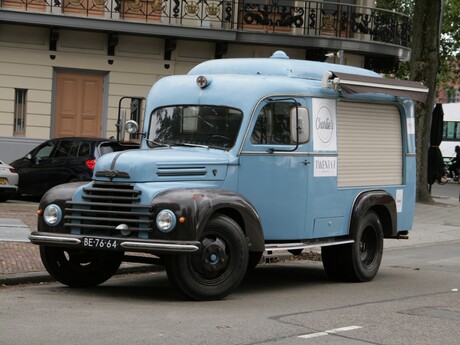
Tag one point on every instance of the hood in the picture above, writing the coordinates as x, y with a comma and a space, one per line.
162, 165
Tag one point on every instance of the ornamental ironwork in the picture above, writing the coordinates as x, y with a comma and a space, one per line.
299, 18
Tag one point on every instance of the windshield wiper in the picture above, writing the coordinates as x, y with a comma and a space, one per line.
190, 145
154, 143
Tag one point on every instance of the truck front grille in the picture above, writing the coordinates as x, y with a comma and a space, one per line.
107, 205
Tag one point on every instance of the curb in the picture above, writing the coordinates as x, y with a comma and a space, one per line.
44, 277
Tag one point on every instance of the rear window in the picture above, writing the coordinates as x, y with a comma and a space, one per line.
105, 148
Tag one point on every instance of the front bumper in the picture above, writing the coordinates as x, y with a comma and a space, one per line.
122, 244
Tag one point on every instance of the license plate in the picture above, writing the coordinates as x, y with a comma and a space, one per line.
2, 180
100, 243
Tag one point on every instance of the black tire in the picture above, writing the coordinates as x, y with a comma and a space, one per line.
218, 268
80, 268
359, 261
365, 254
254, 259
333, 261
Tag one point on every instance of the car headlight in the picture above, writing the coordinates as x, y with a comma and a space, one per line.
166, 220
52, 214
131, 127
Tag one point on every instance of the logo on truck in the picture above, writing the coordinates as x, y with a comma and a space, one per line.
324, 125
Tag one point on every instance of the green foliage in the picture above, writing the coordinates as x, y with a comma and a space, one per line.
449, 55
450, 38
449, 70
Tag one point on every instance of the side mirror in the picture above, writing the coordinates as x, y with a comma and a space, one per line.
300, 125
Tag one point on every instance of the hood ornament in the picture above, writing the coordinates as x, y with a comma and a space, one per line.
111, 174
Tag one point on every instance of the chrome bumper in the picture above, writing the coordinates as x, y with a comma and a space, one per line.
138, 245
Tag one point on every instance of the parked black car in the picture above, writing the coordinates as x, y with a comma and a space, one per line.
61, 160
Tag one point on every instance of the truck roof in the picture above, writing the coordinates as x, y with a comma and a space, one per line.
279, 64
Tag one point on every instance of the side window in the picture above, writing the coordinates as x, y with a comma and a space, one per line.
272, 125
63, 149
44, 151
84, 150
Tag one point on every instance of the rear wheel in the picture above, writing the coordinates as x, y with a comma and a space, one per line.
218, 268
333, 261
359, 261
80, 268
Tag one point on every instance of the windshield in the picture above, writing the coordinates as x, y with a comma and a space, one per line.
195, 125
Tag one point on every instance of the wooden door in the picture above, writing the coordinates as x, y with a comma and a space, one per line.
78, 110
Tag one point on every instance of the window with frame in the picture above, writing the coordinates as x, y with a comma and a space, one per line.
64, 148
20, 111
451, 130
272, 125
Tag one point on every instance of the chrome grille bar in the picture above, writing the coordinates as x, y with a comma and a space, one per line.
106, 205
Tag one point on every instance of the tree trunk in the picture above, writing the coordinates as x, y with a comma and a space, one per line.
424, 66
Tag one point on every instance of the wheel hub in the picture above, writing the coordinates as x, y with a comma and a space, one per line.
213, 257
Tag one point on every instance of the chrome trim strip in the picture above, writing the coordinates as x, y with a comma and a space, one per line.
186, 248
274, 247
281, 153
39, 239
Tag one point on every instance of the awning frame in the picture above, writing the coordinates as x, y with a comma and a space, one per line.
360, 84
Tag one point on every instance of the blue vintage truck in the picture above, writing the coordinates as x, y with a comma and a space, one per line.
241, 157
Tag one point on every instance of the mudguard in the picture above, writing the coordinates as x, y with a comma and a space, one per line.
383, 204
57, 195
197, 206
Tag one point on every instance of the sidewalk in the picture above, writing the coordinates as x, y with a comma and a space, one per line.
20, 260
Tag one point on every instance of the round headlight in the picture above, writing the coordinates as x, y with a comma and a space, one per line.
131, 127
166, 220
52, 214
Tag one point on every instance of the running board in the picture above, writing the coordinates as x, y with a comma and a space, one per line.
276, 247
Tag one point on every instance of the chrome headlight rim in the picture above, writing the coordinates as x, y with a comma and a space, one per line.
52, 215
166, 221
131, 127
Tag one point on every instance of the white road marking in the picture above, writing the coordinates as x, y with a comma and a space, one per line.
331, 331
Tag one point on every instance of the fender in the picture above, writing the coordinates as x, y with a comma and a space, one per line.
57, 195
198, 205
381, 202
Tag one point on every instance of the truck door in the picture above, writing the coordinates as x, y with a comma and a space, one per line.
273, 171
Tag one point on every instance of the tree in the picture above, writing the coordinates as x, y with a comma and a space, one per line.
424, 66
450, 44
425, 33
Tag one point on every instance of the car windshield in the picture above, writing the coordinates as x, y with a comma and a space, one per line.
195, 125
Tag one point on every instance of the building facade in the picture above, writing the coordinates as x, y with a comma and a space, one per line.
64, 64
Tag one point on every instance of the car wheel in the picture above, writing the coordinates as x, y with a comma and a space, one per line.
80, 268
332, 257
364, 256
254, 259
359, 261
218, 268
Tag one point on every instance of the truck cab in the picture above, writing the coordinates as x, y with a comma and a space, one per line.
237, 158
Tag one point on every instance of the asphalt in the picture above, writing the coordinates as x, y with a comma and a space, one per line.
20, 261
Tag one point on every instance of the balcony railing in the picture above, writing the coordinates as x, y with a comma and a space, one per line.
307, 18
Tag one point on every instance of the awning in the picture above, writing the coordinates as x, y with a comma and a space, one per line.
352, 83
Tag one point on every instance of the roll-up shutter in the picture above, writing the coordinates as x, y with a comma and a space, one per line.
369, 144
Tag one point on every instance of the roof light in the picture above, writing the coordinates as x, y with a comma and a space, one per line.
279, 54
202, 81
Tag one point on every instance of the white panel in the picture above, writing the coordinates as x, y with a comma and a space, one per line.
369, 144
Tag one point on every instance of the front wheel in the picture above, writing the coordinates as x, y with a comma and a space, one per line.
80, 268
218, 268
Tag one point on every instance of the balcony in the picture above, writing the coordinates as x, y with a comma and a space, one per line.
309, 24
